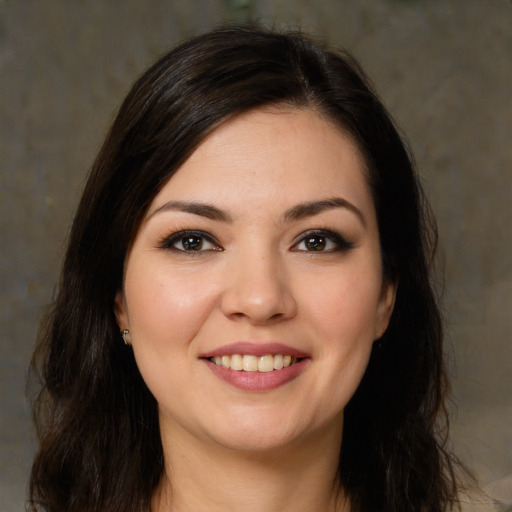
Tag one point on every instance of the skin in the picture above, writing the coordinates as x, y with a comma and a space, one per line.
257, 279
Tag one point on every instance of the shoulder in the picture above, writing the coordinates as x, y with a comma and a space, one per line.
496, 496
477, 502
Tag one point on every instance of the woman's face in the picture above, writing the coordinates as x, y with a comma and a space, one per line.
262, 249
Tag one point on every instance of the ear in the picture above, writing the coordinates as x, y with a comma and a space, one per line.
385, 308
120, 311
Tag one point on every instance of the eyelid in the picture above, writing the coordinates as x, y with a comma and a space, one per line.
342, 244
168, 241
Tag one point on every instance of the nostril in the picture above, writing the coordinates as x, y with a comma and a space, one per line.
258, 298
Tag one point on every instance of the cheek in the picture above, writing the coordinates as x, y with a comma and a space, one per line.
166, 309
345, 307
343, 313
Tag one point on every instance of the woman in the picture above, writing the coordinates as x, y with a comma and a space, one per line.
254, 229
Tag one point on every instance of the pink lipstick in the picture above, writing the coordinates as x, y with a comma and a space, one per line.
256, 366
255, 349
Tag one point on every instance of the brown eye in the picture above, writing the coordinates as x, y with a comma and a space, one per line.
191, 243
186, 241
323, 240
315, 243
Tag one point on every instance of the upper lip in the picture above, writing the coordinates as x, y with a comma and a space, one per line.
254, 349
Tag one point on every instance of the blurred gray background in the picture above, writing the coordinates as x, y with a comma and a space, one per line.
444, 69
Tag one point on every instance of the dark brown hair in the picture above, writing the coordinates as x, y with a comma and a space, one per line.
97, 422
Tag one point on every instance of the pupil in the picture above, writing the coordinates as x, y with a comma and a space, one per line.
192, 243
316, 243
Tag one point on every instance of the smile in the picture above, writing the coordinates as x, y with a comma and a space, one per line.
251, 363
256, 366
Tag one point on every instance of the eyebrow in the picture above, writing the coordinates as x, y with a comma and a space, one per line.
203, 210
309, 209
297, 212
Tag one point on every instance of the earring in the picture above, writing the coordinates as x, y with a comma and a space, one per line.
124, 335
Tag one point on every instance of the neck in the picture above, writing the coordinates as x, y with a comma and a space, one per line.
206, 477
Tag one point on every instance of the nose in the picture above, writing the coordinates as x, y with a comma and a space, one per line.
258, 290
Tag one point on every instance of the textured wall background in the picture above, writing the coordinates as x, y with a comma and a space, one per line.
442, 66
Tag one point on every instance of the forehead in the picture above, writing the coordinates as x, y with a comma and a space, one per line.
274, 154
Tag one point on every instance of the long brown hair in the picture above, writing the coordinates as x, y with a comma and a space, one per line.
100, 447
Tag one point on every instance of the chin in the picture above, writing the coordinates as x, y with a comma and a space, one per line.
256, 442
259, 434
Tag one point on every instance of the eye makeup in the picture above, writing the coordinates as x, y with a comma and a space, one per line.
322, 241
189, 241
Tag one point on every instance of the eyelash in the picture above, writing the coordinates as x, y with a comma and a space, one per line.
340, 243
169, 241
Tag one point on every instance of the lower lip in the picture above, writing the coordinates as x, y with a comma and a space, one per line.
258, 381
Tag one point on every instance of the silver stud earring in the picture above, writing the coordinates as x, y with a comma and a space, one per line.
124, 335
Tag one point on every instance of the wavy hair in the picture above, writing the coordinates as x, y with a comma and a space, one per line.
97, 423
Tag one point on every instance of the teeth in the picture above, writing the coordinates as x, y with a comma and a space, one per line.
236, 362
250, 363
278, 362
265, 363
